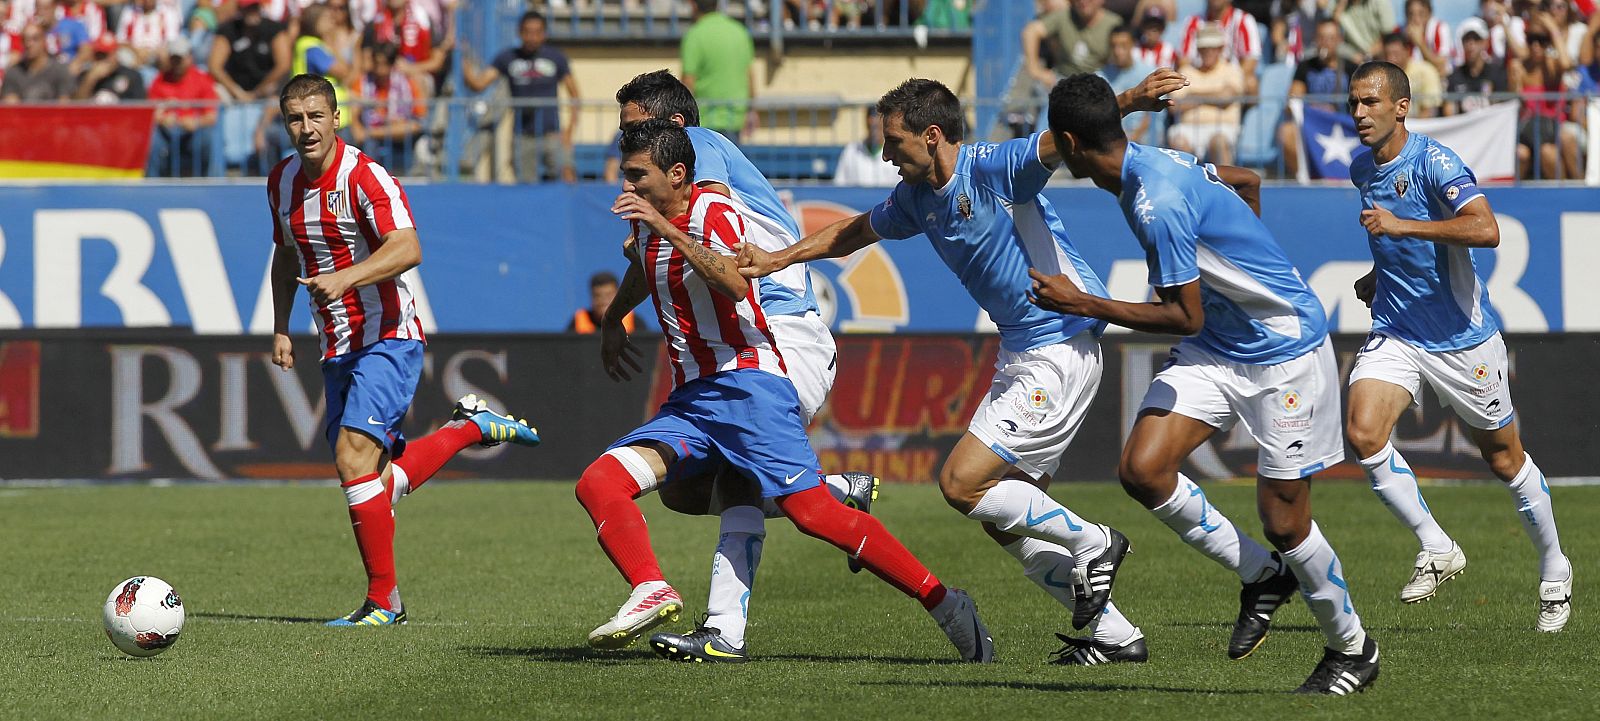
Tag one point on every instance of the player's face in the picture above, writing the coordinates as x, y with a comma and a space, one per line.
658, 187
908, 151
311, 124
1375, 113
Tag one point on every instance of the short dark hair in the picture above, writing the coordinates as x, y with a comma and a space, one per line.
390, 52
1397, 37
306, 85
530, 16
923, 103
1393, 78
1425, 3
1121, 30
667, 143
662, 96
604, 277
706, 6
1086, 106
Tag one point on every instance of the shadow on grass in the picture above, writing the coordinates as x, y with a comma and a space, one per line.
1063, 687
251, 617
584, 654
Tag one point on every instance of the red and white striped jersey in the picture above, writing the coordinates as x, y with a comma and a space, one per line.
1161, 55
87, 12
148, 31
707, 332
1239, 31
335, 222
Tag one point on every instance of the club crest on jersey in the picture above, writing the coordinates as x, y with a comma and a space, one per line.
964, 206
1400, 186
337, 204
1452, 192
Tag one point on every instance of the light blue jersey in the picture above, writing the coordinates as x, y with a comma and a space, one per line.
1429, 294
1195, 227
717, 159
990, 225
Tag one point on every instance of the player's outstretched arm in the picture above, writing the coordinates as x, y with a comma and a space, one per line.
1473, 226
1149, 94
1177, 310
1245, 182
835, 241
283, 275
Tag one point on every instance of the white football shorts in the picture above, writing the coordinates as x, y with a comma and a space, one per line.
809, 355
1037, 402
1473, 381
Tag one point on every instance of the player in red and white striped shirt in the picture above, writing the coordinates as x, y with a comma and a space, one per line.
1241, 35
147, 26
1430, 36
731, 404
342, 228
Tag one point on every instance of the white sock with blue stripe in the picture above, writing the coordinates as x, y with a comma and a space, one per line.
1532, 494
1326, 592
1023, 509
1051, 567
733, 571
1396, 485
1203, 527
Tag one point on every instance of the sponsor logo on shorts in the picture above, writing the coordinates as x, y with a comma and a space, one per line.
1493, 407
1291, 423
1038, 398
1010, 426
1291, 400
1480, 372
1295, 449
1031, 417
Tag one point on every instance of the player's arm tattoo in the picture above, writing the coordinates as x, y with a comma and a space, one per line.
717, 270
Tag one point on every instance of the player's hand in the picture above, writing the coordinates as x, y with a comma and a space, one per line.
754, 262
1148, 94
1367, 287
1379, 221
282, 351
632, 207
617, 353
327, 288
1057, 293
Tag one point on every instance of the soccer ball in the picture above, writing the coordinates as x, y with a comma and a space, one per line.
143, 616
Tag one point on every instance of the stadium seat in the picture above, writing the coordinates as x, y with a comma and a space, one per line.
237, 123
1258, 134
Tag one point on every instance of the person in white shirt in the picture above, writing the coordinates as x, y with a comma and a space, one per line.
861, 163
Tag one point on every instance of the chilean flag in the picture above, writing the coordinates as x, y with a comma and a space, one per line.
1485, 139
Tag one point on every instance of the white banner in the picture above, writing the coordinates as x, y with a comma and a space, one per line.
1485, 139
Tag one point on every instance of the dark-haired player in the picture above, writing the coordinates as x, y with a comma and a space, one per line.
343, 229
730, 405
1257, 351
980, 207
1432, 322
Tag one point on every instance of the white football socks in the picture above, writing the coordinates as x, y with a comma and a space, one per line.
1396, 485
1020, 508
1204, 527
1539, 520
1323, 586
733, 571
1051, 567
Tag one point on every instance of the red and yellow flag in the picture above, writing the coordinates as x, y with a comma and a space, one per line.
74, 141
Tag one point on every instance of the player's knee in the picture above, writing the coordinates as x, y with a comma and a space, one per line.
1364, 437
960, 493
690, 499
1504, 463
1282, 533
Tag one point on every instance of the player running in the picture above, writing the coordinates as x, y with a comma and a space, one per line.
979, 205
1432, 322
809, 357
342, 228
1257, 350
731, 402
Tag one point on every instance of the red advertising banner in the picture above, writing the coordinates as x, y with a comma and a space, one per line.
74, 141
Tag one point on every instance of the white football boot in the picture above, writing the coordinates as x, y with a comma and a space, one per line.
1555, 604
650, 605
1431, 570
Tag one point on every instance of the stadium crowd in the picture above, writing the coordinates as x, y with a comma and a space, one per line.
1242, 55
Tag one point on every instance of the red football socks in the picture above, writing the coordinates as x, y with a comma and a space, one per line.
426, 455
606, 491
817, 514
373, 521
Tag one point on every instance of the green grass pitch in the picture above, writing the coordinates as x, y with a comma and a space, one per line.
503, 581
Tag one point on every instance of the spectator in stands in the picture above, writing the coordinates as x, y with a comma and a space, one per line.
250, 54
1209, 108
392, 109
311, 54
1429, 35
108, 79
407, 25
10, 39
1563, 15
1153, 49
181, 144
1543, 127
342, 38
1079, 37
602, 290
87, 12
1364, 23
36, 77
1427, 88
147, 26
1477, 75
66, 38
719, 68
1241, 39
861, 163
1293, 27
1123, 71
535, 71
1589, 58
1507, 32
1324, 73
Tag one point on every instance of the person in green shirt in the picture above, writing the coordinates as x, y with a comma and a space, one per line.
718, 67
1080, 36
